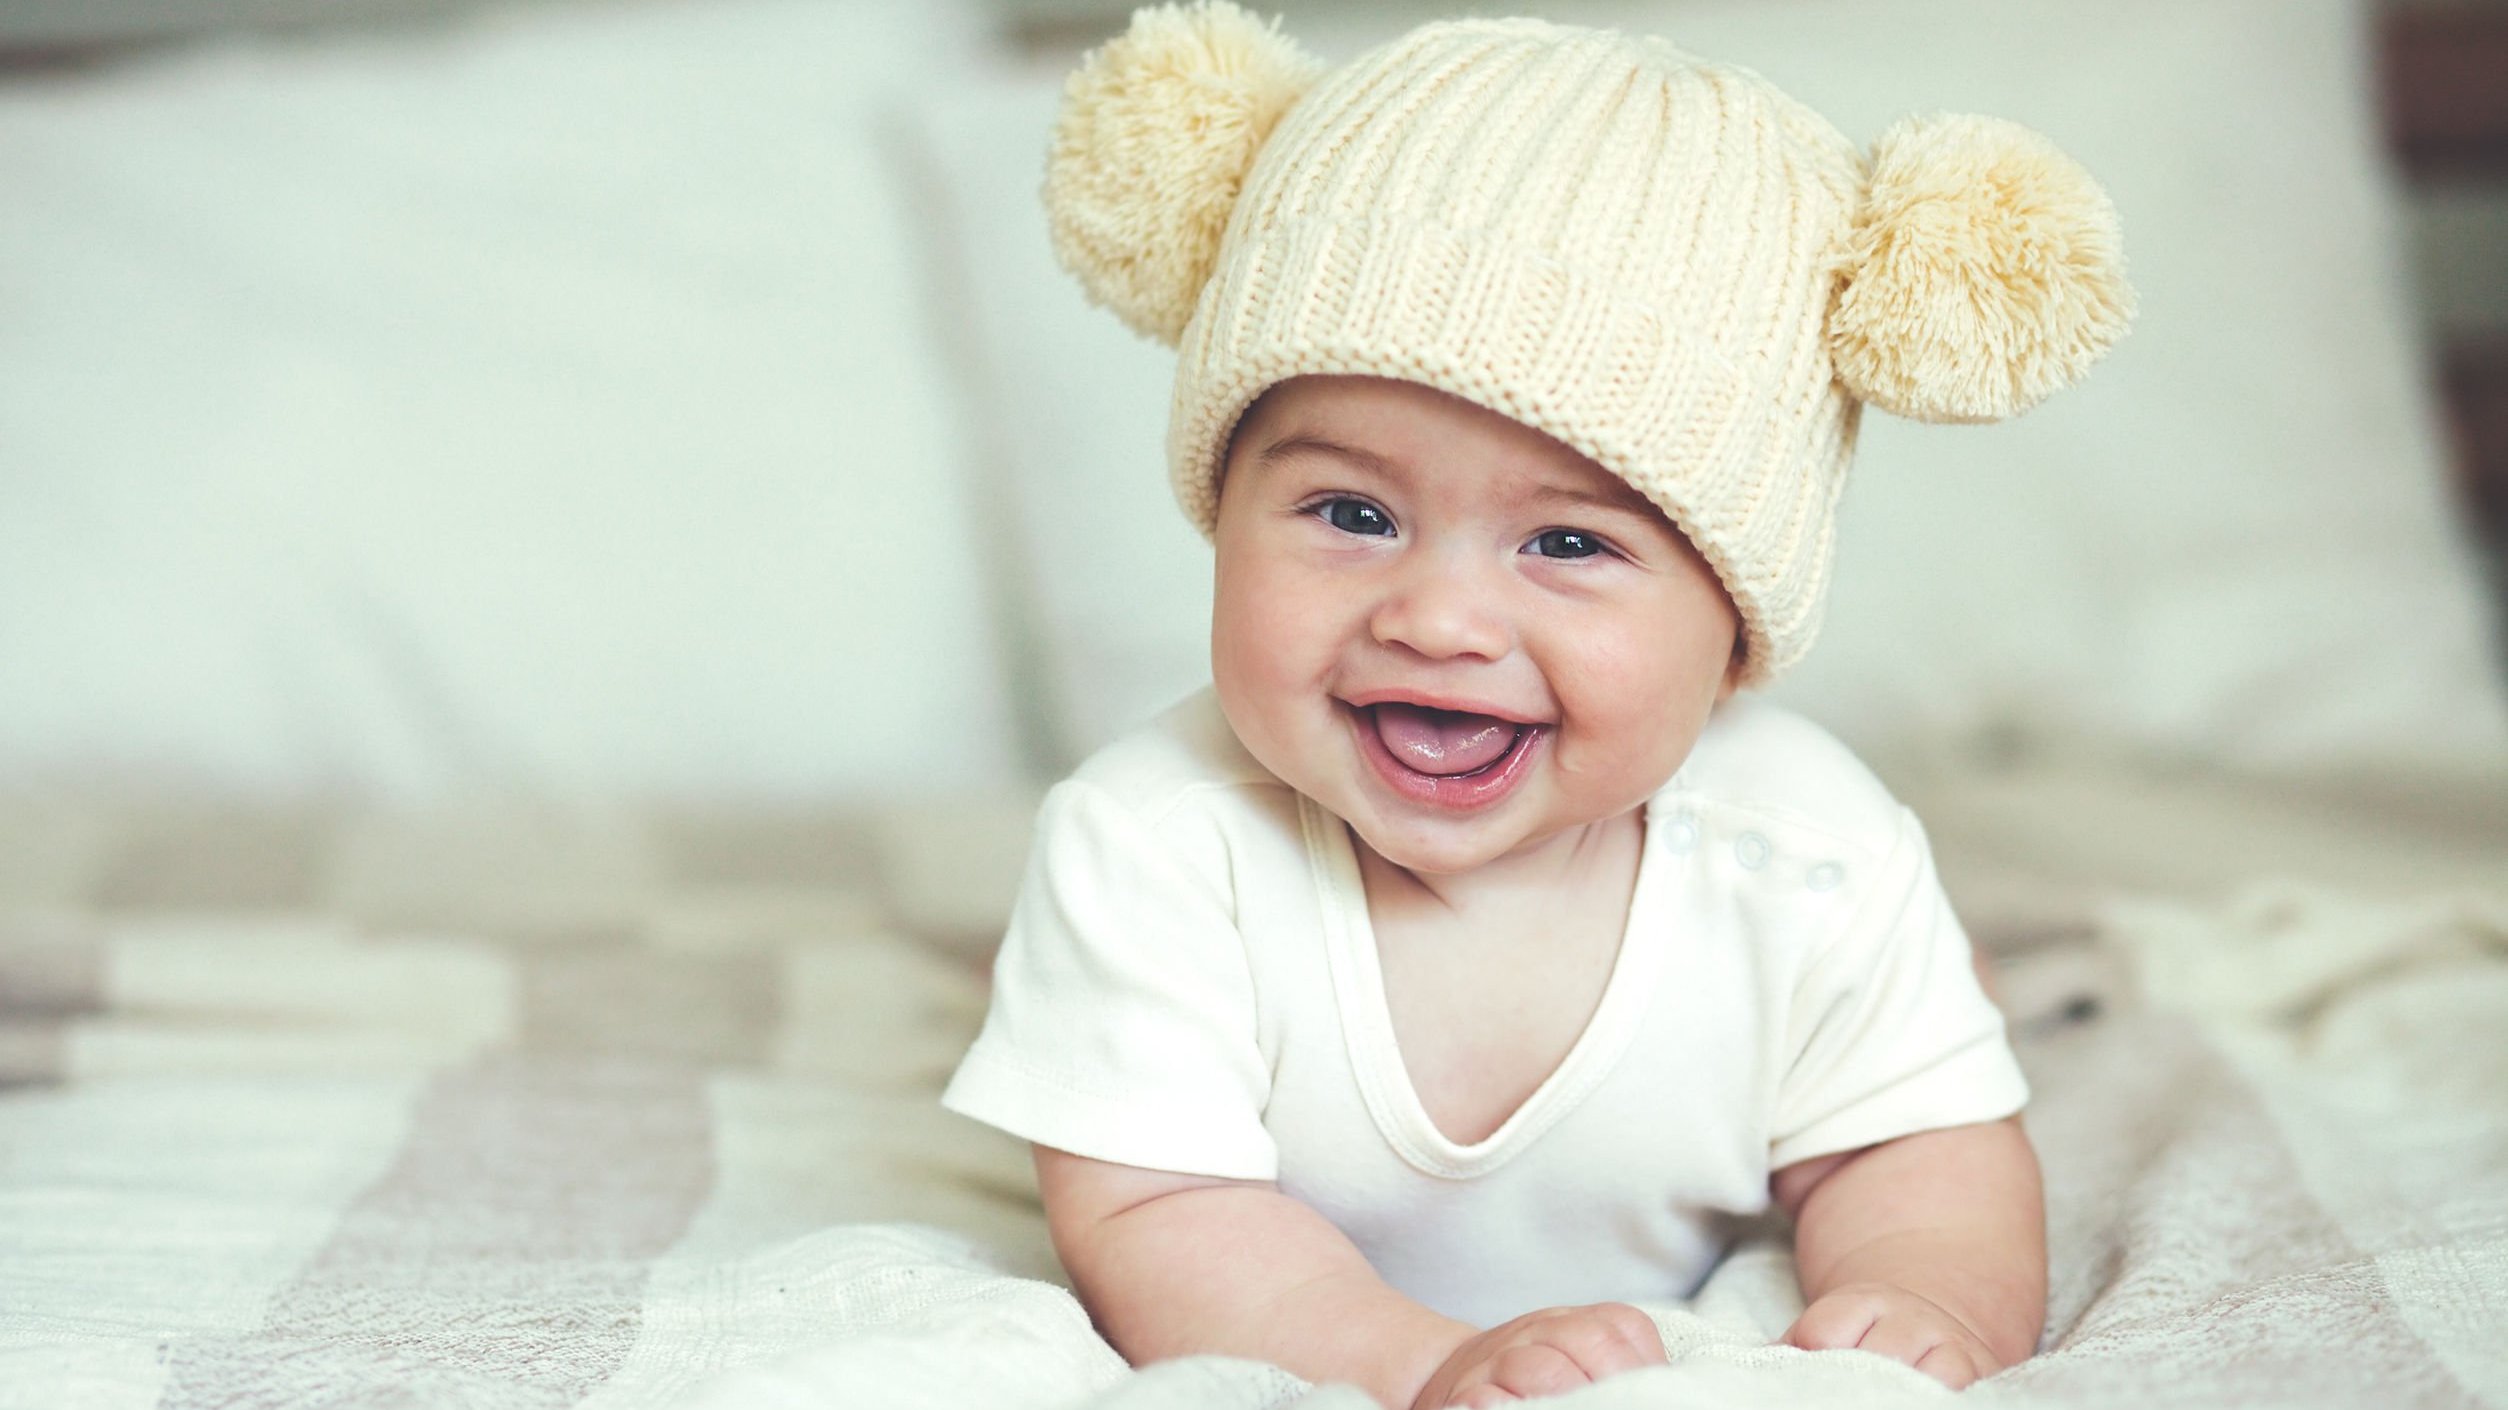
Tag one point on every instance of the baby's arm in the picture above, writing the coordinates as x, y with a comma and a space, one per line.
1173, 1265
1929, 1249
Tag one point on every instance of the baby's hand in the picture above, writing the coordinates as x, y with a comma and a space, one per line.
1898, 1324
1542, 1353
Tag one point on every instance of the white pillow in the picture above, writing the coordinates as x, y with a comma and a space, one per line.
2232, 542
1118, 585
549, 403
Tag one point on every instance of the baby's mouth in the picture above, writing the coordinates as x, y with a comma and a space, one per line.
1444, 743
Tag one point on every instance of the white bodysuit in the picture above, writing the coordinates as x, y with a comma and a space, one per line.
1190, 983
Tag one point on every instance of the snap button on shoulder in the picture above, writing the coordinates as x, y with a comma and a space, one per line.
1751, 850
1825, 877
1681, 835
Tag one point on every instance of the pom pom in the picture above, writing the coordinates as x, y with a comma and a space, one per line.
1984, 273
1158, 130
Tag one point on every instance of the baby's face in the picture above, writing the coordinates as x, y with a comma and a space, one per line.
1456, 633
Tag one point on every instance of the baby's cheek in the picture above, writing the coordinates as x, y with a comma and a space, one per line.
1239, 665
1263, 658
1254, 629
1612, 679
1630, 709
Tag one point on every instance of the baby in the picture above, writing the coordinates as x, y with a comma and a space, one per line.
1447, 977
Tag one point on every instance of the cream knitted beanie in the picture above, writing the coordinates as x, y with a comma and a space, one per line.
1662, 262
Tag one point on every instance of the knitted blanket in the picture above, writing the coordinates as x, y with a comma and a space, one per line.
639, 1112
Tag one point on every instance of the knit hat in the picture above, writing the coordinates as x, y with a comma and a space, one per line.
1662, 262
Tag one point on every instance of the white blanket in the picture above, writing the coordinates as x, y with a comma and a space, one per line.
507, 1118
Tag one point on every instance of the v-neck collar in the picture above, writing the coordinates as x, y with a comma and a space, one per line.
1367, 1020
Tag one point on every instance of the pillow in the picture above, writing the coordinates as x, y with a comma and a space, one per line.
544, 403
2232, 542
1116, 584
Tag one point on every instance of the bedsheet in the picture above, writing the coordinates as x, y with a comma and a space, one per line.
637, 1110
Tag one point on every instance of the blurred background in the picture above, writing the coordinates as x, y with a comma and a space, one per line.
547, 549
413, 401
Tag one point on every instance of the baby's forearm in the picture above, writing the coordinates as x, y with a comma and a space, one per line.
1956, 1216
1251, 1272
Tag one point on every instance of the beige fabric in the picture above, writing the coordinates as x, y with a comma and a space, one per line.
2030, 845
686, 1151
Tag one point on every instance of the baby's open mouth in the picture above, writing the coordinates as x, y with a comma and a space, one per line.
1445, 743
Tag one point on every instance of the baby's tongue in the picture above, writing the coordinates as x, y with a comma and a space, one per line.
1442, 741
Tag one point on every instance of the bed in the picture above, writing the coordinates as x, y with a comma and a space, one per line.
639, 1110
389, 1017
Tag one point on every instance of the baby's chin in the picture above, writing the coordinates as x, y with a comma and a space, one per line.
1442, 849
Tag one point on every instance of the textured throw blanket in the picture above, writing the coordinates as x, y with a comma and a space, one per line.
531, 1113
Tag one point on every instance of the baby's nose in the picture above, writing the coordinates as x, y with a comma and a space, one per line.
1442, 611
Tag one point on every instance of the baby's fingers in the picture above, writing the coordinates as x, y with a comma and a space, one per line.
1606, 1338
1538, 1369
1904, 1339
1832, 1324
1951, 1364
1483, 1398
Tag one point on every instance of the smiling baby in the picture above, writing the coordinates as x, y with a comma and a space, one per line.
1449, 974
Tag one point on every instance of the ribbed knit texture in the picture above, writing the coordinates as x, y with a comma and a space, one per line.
1595, 234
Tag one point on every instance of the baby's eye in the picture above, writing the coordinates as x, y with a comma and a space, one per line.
1564, 543
1354, 516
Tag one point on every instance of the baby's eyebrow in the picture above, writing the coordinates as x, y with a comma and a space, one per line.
1626, 502
1309, 443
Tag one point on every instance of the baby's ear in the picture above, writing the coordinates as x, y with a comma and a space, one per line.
1984, 273
1158, 130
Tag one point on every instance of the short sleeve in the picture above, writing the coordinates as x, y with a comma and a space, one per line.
1889, 1033
1122, 1025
